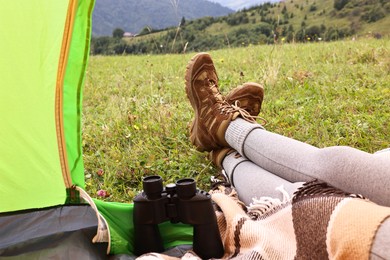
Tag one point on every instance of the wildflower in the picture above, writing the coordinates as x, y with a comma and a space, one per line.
131, 118
103, 193
100, 172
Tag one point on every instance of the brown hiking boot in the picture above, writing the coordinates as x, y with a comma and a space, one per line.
249, 96
212, 113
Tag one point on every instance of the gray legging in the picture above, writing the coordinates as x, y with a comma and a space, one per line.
274, 160
281, 160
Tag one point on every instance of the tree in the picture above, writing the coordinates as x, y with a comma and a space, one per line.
118, 33
145, 30
374, 14
339, 4
290, 33
100, 45
265, 29
313, 32
183, 21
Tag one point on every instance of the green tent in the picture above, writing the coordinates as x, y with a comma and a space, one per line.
44, 211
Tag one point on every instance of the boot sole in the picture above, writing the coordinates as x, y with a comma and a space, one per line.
190, 96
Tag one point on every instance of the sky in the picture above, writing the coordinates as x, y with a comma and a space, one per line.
240, 4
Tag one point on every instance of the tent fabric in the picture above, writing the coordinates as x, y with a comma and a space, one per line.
73, 86
44, 47
29, 50
119, 217
63, 232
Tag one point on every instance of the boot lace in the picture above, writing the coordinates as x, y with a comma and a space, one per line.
245, 114
226, 108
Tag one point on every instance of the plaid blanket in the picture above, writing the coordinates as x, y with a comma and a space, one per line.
318, 222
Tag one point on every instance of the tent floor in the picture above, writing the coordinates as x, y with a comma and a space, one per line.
63, 232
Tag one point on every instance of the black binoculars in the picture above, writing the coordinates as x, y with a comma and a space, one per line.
179, 202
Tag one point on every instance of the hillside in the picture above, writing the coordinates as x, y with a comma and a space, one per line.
289, 21
133, 15
241, 4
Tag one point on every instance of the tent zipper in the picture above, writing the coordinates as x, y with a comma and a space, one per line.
66, 41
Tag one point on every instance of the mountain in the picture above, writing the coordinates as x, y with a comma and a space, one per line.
134, 15
241, 4
278, 23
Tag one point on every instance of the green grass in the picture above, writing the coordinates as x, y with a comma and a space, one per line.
136, 114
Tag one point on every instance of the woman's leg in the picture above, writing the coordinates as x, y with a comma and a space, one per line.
343, 167
251, 181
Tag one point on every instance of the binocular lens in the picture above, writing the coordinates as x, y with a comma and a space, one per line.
186, 188
153, 186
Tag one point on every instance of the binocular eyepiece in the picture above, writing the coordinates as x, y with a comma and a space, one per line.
179, 202
153, 187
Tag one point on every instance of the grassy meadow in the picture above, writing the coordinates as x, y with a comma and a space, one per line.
136, 114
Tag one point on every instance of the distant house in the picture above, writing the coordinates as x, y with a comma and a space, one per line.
128, 35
